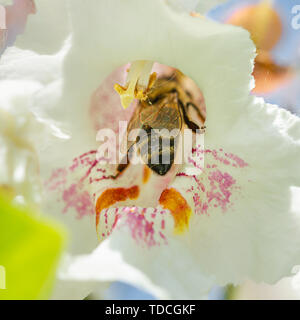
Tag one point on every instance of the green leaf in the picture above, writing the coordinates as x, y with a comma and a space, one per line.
30, 249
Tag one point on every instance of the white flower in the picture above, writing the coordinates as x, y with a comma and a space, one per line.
285, 289
6, 2
241, 224
194, 5
19, 166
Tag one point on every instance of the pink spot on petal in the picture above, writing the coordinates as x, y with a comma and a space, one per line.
79, 200
72, 183
214, 187
220, 185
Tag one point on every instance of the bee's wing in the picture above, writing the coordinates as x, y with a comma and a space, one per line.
164, 114
134, 123
188, 93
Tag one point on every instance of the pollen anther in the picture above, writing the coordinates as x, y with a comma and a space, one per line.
139, 82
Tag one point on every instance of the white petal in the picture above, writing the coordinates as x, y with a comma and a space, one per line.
25, 75
114, 260
18, 158
201, 6
285, 289
256, 234
206, 5
218, 45
47, 29
6, 2
188, 5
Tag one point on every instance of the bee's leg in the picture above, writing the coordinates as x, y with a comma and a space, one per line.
200, 115
121, 168
191, 125
203, 129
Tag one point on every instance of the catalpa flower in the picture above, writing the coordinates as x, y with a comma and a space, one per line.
226, 215
19, 163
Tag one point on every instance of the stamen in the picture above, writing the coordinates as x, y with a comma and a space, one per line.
139, 82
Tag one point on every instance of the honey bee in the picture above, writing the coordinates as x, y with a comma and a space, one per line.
167, 106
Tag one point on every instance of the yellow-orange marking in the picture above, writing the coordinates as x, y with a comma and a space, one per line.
173, 201
146, 174
111, 196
